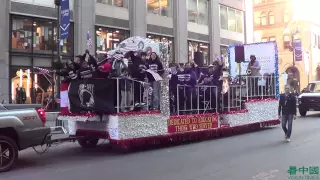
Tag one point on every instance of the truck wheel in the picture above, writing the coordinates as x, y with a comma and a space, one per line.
87, 143
8, 153
303, 113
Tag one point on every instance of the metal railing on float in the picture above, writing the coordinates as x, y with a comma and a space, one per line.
131, 94
199, 99
260, 87
232, 99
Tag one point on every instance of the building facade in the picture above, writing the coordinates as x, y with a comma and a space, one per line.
273, 21
30, 28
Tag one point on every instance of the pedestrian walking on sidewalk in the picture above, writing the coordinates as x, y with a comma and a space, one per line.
287, 111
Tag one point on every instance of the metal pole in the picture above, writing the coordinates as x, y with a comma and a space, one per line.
56, 81
292, 44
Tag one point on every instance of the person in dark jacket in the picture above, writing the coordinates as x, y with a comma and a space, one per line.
173, 82
155, 65
287, 111
186, 93
138, 74
70, 72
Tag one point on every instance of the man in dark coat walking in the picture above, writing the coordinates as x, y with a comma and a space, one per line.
287, 111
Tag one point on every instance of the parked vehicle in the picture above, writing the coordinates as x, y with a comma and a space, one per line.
309, 99
21, 127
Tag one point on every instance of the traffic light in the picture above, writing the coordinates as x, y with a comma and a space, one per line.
57, 2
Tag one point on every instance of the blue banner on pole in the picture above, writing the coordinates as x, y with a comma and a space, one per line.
297, 49
64, 19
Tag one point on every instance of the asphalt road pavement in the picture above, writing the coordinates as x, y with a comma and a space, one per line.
262, 155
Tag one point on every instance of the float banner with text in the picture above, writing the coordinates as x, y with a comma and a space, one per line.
192, 123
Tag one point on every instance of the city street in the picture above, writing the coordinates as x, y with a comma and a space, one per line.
259, 155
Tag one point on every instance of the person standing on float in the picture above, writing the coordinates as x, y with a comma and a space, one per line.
155, 64
287, 111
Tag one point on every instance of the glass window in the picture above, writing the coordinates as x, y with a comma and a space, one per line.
198, 11
203, 12
224, 54
271, 18
49, 3
108, 38
43, 36
105, 2
286, 16
192, 11
25, 85
198, 47
165, 39
21, 85
121, 3
25, 1
240, 21
153, 6
118, 3
204, 49
257, 18
272, 38
224, 17
166, 8
263, 19
231, 19
39, 35
21, 36
286, 42
66, 44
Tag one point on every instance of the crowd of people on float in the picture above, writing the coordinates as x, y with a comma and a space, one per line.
191, 87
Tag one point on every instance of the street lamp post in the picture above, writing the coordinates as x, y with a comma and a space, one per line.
293, 34
56, 79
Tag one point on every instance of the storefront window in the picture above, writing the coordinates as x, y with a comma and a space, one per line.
118, 3
43, 36
198, 11
164, 39
38, 35
198, 47
224, 53
21, 85
28, 87
21, 36
67, 44
108, 38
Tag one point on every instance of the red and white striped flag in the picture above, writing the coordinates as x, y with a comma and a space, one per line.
43, 71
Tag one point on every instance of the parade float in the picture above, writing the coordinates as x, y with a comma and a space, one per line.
146, 128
